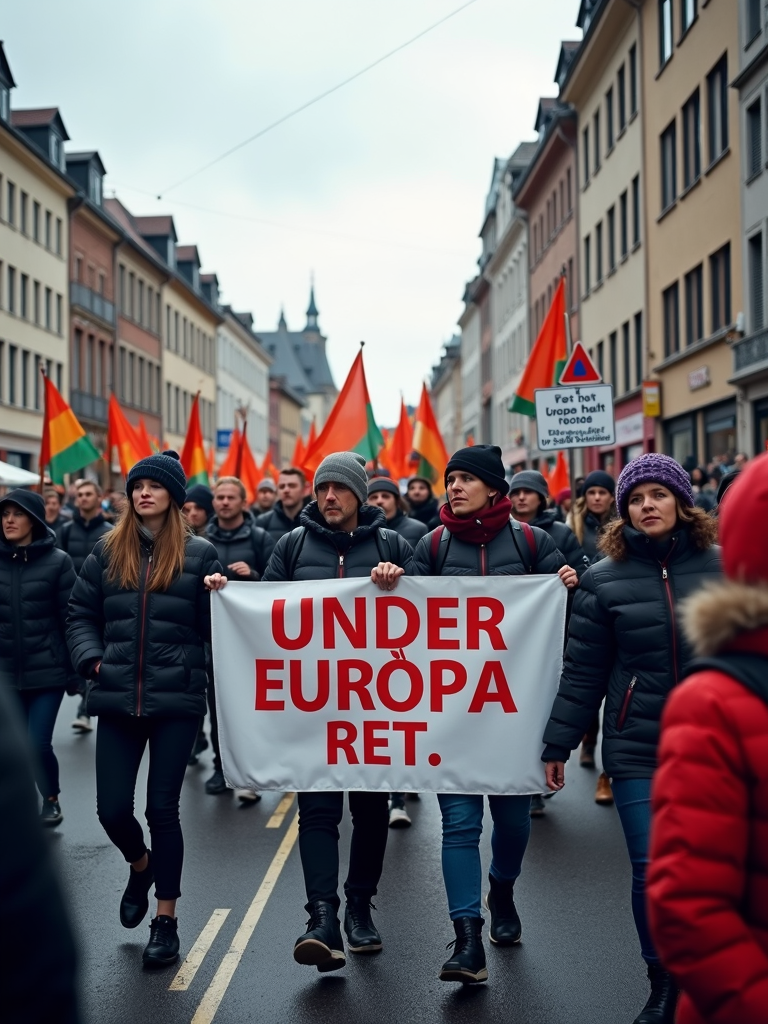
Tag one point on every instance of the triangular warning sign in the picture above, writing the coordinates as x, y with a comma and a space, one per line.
580, 369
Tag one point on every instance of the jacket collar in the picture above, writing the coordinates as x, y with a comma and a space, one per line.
217, 531
641, 546
29, 551
88, 524
369, 519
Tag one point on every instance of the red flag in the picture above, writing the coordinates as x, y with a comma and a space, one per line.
547, 358
312, 437
268, 468
229, 465
299, 451
144, 441
559, 478
470, 440
401, 446
248, 471
544, 469
121, 435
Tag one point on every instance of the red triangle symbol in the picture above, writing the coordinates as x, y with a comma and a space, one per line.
580, 369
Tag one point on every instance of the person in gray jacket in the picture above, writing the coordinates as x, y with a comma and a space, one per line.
529, 493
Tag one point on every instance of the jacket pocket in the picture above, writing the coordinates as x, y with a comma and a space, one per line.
625, 704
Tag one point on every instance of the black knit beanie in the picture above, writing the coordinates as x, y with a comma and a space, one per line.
599, 478
164, 467
483, 461
201, 496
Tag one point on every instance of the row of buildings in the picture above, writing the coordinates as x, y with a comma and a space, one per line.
648, 188
106, 301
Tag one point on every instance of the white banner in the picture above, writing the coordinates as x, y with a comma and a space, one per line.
443, 685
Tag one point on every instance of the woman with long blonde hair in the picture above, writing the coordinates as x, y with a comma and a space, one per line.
139, 616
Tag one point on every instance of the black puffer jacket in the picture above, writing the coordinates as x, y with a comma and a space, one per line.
409, 529
625, 644
248, 543
591, 531
150, 644
35, 582
565, 540
79, 536
320, 553
427, 513
500, 557
276, 522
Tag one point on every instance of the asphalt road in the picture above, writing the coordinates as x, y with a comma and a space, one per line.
579, 960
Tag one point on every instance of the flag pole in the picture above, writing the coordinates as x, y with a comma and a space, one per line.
41, 467
569, 349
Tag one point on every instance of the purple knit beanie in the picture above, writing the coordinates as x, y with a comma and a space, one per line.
653, 468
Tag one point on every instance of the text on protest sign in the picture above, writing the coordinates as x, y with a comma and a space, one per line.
574, 417
332, 685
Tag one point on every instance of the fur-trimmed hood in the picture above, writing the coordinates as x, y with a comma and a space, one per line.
721, 612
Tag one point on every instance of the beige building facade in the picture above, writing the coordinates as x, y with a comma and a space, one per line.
690, 54
242, 381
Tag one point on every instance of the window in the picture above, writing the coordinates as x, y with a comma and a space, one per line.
59, 318
612, 343
54, 149
24, 297
665, 31
599, 252
633, 79
609, 119
611, 227
121, 287
621, 86
600, 359
754, 19
36, 301
585, 141
636, 210
36, 384
74, 373
59, 376
141, 395
717, 99
129, 392
671, 305
59, 229
176, 331
756, 281
11, 297
754, 139
122, 373
48, 226
626, 357
638, 349
11, 210
587, 260
720, 273
624, 224
691, 140
98, 373
25, 379
568, 189
36, 221
140, 304
88, 383
570, 283
694, 305
596, 129
24, 213
535, 242
562, 202
131, 286
12, 350
687, 14
48, 298
668, 166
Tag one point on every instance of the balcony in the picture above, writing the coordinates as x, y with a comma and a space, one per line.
89, 407
91, 301
750, 355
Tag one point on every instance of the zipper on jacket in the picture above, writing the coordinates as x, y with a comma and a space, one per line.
483, 560
672, 623
341, 567
625, 703
141, 635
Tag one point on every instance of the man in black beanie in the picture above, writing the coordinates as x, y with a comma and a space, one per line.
198, 508
422, 502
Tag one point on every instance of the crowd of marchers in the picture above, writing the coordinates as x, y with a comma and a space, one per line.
666, 652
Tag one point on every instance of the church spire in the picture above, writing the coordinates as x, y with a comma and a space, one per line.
312, 311
281, 322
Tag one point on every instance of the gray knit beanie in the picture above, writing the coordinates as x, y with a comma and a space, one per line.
529, 480
344, 468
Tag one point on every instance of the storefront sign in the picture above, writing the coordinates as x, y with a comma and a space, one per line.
629, 430
651, 398
223, 438
337, 685
574, 417
698, 378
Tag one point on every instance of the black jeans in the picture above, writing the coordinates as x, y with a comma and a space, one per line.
120, 743
40, 708
319, 817
214, 723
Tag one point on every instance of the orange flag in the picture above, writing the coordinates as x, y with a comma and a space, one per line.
229, 465
401, 446
121, 435
193, 460
547, 358
470, 440
544, 469
299, 451
144, 439
312, 436
247, 470
559, 478
268, 468
428, 442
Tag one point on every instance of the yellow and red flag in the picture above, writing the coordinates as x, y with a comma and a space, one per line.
65, 446
428, 443
547, 358
193, 460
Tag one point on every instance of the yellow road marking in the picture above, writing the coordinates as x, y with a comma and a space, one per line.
281, 810
220, 982
196, 955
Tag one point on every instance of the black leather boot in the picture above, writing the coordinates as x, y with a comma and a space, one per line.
662, 1002
467, 964
362, 934
163, 946
135, 902
321, 946
506, 929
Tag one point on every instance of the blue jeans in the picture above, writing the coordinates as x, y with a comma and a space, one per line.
633, 802
462, 827
40, 708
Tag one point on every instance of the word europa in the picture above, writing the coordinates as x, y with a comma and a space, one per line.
399, 685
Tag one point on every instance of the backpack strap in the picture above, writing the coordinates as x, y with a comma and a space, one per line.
528, 538
384, 544
295, 544
439, 548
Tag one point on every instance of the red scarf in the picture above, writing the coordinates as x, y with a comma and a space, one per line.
480, 527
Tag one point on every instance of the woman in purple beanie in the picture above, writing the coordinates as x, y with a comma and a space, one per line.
625, 645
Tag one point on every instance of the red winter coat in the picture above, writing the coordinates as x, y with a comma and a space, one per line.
708, 877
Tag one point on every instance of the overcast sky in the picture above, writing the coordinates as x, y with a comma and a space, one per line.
378, 189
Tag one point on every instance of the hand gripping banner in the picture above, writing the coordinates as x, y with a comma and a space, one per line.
442, 685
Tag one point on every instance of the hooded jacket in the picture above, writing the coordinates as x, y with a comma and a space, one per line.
625, 644
707, 883
247, 543
276, 522
500, 557
319, 553
35, 580
78, 537
590, 527
565, 539
150, 643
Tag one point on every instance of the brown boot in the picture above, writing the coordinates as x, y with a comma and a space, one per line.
603, 792
587, 756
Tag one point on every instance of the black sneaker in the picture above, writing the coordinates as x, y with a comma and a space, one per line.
321, 946
50, 814
662, 1002
362, 934
537, 806
163, 946
135, 902
467, 965
506, 929
216, 784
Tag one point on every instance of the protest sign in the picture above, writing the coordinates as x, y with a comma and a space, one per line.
443, 685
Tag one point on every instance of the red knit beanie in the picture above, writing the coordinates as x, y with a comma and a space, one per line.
745, 555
